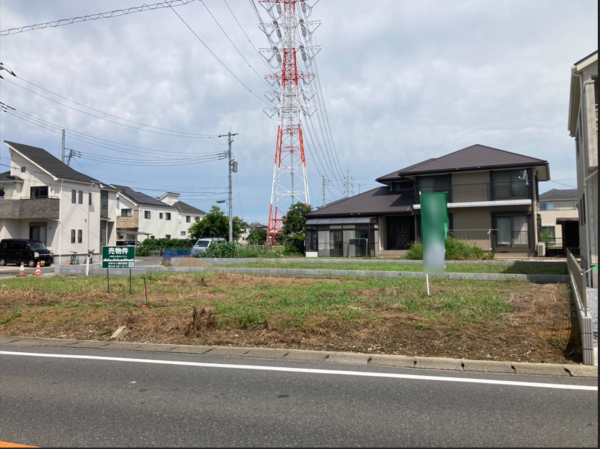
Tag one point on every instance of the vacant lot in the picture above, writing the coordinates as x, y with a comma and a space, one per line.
386, 266
500, 320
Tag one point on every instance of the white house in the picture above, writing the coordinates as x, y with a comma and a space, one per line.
45, 199
583, 126
140, 216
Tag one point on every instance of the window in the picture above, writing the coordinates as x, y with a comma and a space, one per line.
510, 184
548, 235
38, 192
402, 185
160, 215
168, 217
126, 213
583, 208
512, 231
147, 214
547, 206
183, 233
90, 199
23, 169
429, 184
168, 236
79, 236
197, 218
73, 196
188, 219
81, 197
72, 235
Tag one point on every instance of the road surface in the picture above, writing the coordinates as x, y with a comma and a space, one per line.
135, 398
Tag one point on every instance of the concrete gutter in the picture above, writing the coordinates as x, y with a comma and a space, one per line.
71, 270
347, 358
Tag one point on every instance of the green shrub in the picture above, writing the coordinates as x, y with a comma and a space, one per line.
455, 250
294, 244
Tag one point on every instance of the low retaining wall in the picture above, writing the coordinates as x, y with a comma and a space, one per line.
539, 278
215, 261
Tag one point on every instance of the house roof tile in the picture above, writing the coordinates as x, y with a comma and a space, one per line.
139, 197
53, 165
559, 194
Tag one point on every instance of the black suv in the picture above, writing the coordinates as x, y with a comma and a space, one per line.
29, 252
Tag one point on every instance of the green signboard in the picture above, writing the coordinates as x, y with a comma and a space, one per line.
118, 257
434, 221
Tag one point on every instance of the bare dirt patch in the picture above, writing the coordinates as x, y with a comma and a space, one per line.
539, 324
192, 262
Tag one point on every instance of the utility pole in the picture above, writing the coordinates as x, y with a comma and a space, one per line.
323, 190
63, 147
232, 166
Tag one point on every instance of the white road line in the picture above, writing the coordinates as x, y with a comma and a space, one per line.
309, 371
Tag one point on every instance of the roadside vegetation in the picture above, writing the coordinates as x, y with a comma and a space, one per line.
455, 250
517, 268
505, 320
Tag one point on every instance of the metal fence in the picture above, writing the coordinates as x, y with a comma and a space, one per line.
168, 254
485, 191
585, 319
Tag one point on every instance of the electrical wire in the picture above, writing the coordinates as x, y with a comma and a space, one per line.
105, 119
218, 59
206, 157
183, 133
102, 15
234, 46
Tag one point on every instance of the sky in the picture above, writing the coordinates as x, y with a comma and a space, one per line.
399, 82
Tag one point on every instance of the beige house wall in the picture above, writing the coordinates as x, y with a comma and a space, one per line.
562, 209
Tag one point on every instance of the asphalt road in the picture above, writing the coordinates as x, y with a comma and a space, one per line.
56, 401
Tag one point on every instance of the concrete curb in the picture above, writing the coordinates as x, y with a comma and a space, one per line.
348, 358
539, 278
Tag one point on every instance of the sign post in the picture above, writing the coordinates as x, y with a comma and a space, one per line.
118, 257
434, 222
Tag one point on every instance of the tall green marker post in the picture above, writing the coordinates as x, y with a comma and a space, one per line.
434, 222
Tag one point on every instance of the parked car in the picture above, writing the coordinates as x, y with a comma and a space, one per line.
203, 244
25, 251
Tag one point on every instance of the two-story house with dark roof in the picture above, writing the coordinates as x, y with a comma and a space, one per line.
140, 216
45, 199
492, 202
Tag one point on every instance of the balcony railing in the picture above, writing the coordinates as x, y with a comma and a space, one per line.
488, 191
30, 208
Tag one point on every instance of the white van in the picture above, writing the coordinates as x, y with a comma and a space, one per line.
203, 244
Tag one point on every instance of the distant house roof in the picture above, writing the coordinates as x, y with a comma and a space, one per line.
378, 201
139, 197
559, 194
7, 177
53, 165
475, 157
186, 208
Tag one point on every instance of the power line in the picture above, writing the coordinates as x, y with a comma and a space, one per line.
234, 46
102, 15
222, 63
184, 133
105, 119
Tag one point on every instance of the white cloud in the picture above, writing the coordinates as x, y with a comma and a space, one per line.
405, 81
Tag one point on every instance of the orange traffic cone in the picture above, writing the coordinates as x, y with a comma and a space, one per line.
38, 270
22, 270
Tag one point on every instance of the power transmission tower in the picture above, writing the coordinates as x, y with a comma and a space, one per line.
348, 185
290, 182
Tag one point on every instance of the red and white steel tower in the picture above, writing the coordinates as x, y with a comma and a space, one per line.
286, 33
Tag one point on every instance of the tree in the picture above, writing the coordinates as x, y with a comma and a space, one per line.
216, 224
294, 223
257, 236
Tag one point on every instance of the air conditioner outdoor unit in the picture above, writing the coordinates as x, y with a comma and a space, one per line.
541, 249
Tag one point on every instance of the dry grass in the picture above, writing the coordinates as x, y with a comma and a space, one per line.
505, 320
